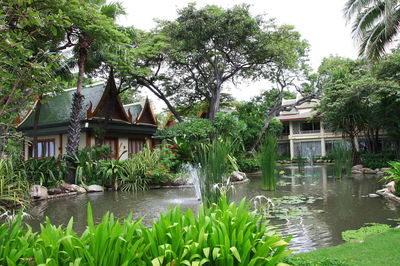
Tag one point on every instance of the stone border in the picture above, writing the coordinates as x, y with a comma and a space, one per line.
191, 185
62, 195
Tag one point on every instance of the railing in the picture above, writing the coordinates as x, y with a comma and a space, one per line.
308, 132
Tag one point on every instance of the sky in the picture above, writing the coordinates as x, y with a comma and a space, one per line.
320, 22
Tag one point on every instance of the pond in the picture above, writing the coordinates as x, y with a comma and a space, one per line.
314, 207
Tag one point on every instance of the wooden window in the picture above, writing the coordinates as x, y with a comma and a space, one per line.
45, 148
135, 146
112, 143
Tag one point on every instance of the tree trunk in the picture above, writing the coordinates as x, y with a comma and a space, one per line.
35, 127
74, 132
354, 152
214, 102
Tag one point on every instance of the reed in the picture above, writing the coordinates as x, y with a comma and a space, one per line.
343, 159
214, 161
268, 165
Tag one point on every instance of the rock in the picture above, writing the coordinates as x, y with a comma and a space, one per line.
78, 189
357, 167
356, 172
385, 169
390, 187
38, 192
178, 181
54, 191
373, 195
319, 161
67, 187
368, 171
237, 176
95, 188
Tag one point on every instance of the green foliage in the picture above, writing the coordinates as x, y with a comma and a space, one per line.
248, 163
13, 186
394, 175
111, 171
361, 234
268, 164
215, 161
48, 172
223, 234
377, 160
343, 158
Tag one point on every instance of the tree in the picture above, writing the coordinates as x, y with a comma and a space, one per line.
28, 32
211, 46
375, 24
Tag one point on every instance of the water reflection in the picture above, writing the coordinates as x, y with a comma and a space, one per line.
340, 205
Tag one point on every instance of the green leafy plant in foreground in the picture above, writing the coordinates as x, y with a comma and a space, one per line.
268, 164
223, 234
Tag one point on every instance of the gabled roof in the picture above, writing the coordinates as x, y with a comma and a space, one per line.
56, 108
55, 111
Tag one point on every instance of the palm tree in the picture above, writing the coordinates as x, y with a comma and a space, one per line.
81, 57
375, 24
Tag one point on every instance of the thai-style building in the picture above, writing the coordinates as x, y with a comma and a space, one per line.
128, 128
304, 133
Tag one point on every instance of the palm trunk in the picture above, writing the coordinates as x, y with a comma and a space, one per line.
74, 131
35, 128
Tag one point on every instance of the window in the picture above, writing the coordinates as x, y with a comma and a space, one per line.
286, 130
45, 148
112, 143
310, 127
135, 146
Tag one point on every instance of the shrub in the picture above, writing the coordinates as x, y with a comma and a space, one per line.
248, 165
224, 234
47, 171
377, 160
394, 175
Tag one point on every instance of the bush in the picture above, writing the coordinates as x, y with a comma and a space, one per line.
377, 160
48, 172
224, 234
248, 165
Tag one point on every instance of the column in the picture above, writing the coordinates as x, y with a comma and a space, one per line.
323, 150
292, 153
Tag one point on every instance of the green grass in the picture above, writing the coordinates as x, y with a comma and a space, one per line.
380, 249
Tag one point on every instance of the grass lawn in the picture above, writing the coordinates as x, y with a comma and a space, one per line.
381, 249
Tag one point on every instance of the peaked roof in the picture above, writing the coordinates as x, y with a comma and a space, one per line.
56, 107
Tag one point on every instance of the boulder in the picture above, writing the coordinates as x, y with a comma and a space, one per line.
178, 181
54, 191
357, 167
67, 187
373, 195
95, 188
356, 172
385, 169
368, 171
38, 192
237, 176
390, 187
78, 189
319, 161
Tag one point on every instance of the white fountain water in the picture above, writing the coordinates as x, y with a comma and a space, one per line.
310, 155
194, 175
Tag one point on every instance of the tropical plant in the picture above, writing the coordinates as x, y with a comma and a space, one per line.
393, 174
375, 24
215, 161
13, 186
49, 172
110, 172
223, 234
267, 162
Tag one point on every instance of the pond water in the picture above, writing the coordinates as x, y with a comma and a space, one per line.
314, 207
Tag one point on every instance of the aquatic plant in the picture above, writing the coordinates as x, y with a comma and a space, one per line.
268, 164
215, 161
223, 234
13, 186
343, 158
360, 234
